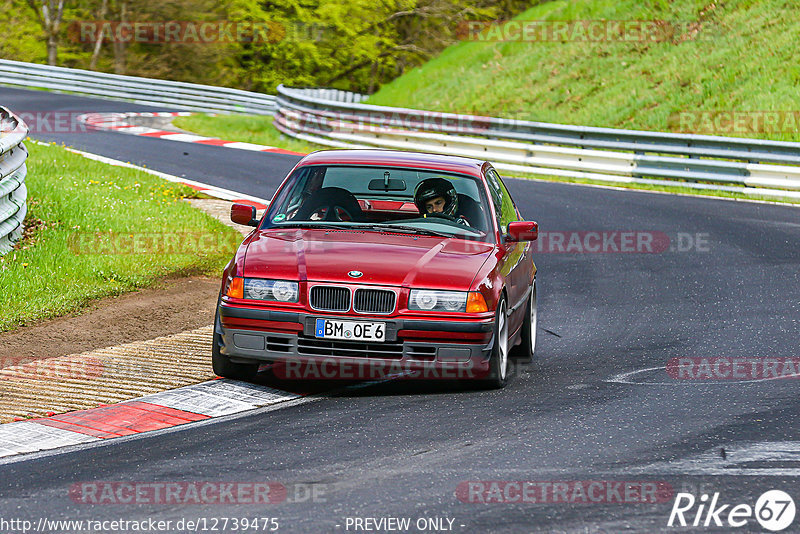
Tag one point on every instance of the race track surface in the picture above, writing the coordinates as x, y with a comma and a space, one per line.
597, 406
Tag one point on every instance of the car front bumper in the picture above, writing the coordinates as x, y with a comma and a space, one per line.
423, 348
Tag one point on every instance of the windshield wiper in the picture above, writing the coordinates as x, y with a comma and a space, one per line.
404, 229
311, 224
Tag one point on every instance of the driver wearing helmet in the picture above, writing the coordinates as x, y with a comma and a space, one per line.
438, 197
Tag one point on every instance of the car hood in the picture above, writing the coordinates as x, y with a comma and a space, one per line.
383, 258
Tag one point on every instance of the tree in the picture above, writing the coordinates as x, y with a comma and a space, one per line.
49, 17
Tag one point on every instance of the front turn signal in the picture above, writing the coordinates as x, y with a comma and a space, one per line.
236, 288
476, 302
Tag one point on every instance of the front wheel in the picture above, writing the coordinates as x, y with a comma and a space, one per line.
222, 365
525, 351
498, 362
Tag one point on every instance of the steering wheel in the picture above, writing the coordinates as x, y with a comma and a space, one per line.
458, 220
333, 212
338, 205
440, 215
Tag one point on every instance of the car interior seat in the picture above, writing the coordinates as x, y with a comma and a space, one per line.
336, 200
472, 211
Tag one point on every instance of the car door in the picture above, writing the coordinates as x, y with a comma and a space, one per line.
516, 254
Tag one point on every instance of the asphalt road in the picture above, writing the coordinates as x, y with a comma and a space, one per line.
598, 405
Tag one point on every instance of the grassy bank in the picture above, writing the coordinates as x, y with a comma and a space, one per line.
94, 230
741, 56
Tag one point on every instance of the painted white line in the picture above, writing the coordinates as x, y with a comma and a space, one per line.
739, 460
184, 138
626, 378
108, 124
247, 146
138, 130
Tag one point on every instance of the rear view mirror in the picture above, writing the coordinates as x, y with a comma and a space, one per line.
244, 214
392, 184
522, 231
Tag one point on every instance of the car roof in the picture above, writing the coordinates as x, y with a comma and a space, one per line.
395, 158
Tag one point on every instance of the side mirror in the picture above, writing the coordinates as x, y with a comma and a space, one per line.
522, 231
244, 214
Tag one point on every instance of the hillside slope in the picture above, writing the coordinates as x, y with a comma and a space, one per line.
739, 57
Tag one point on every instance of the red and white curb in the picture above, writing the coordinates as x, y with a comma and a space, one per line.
158, 411
118, 122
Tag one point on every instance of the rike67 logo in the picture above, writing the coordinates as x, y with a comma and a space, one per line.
774, 510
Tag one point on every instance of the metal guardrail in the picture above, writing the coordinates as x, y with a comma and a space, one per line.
13, 193
177, 95
769, 168
340, 119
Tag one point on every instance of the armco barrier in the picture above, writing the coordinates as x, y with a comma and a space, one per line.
339, 119
751, 166
13, 193
174, 95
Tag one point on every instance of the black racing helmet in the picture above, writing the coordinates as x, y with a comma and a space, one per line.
436, 187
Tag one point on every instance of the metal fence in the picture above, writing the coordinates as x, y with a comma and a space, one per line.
13, 193
165, 93
340, 119
751, 166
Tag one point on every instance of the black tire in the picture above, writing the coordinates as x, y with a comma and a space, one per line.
498, 362
220, 363
526, 350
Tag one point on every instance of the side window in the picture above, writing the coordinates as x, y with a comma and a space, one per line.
496, 192
503, 205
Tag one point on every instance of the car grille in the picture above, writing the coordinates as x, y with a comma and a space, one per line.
374, 301
317, 347
329, 298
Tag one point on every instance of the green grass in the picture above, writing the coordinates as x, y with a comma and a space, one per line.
78, 247
256, 129
744, 58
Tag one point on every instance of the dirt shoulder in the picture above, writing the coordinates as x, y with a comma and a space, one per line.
174, 305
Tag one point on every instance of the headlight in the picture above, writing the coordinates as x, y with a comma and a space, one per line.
427, 300
278, 290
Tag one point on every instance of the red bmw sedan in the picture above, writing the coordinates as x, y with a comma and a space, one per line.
376, 263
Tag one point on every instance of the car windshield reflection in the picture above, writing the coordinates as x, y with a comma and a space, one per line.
382, 199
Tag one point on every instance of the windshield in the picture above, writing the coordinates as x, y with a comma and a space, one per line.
382, 198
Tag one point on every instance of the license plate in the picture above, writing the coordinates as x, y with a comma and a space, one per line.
350, 330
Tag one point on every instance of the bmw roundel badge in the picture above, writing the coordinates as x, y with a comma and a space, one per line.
355, 274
